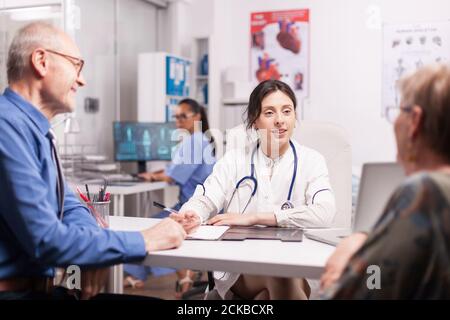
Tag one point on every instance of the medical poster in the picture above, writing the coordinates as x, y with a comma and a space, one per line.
177, 76
280, 48
407, 47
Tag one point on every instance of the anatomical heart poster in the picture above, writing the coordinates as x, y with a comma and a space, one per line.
280, 48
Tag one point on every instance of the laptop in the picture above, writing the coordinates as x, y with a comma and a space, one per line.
378, 182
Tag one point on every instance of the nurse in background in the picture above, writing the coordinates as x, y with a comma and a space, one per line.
292, 190
192, 163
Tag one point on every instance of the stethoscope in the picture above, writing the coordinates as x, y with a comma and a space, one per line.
287, 204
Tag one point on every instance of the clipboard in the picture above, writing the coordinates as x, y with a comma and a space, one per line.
267, 233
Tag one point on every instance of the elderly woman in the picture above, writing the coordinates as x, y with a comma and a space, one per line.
410, 244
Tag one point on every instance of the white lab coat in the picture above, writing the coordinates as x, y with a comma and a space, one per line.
312, 196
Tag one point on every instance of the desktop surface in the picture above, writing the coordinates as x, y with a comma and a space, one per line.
259, 257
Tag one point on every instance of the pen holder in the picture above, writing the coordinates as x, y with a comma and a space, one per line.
100, 212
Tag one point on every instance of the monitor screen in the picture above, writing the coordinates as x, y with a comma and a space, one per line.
143, 141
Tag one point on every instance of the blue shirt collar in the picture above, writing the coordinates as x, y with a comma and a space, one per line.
31, 111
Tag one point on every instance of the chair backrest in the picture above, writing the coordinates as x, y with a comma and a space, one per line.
333, 143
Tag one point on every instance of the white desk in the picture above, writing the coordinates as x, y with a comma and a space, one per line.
259, 257
118, 193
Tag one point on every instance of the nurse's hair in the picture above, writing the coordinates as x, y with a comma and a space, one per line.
196, 108
259, 93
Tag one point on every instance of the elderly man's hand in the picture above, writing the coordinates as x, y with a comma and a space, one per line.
340, 258
167, 234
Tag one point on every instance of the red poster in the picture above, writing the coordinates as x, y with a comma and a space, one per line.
280, 48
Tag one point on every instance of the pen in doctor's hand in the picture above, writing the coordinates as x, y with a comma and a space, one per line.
161, 206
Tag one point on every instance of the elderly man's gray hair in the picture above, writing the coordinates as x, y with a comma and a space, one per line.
27, 39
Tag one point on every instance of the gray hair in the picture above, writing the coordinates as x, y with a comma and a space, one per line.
27, 39
429, 88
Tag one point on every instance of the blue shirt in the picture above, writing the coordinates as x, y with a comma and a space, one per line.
192, 164
33, 240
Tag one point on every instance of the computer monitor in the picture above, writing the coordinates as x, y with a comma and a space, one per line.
143, 141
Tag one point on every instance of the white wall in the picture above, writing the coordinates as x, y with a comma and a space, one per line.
26, 3
100, 74
345, 61
137, 29
107, 43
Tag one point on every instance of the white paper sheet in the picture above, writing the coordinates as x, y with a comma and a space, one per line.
208, 232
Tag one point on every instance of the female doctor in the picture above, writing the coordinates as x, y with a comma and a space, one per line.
275, 182
192, 163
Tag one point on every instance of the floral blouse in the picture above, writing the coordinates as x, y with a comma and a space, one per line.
407, 254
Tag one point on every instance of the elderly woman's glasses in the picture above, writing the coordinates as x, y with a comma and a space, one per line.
77, 62
392, 113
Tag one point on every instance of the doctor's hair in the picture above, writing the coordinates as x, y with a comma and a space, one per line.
196, 108
429, 88
29, 38
258, 94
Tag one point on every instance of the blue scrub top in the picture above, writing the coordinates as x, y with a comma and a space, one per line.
192, 163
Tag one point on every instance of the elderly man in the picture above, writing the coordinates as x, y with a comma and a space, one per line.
42, 224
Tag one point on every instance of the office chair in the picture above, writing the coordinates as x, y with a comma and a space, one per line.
332, 142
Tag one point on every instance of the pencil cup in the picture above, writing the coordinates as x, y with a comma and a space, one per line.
100, 211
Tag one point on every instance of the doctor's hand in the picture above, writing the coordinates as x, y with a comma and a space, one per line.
190, 220
233, 219
167, 234
93, 281
340, 258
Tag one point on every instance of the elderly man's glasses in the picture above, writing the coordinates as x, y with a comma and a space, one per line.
77, 62
392, 113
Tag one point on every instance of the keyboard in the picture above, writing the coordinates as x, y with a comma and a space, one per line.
115, 179
122, 178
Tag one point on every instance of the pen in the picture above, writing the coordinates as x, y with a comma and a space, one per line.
87, 192
159, 205
97, 216
85, 199
105, 185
